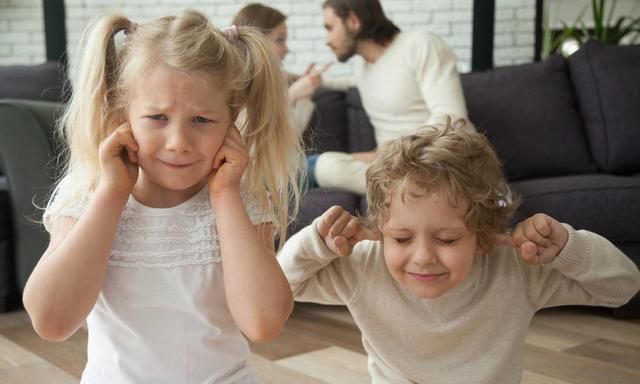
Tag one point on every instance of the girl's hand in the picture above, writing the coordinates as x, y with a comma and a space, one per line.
119, 161
229, 163
538, 239
341, 231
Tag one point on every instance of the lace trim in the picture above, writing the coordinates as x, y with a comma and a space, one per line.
171, 264
165, 240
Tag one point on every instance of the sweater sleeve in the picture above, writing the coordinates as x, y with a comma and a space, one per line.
437, 73
316, 273
588, 271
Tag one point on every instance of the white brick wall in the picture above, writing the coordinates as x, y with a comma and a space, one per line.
22, 26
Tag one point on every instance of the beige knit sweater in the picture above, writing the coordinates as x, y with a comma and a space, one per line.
475, 332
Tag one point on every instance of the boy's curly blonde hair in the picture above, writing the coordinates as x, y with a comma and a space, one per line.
446, 159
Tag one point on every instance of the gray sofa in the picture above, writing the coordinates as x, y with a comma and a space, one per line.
30, 96
567, 131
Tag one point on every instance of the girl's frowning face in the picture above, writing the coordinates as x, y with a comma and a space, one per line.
427, 246
179, 121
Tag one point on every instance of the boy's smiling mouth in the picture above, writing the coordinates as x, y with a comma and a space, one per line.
426, 276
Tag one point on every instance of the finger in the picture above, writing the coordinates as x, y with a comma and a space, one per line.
367, 234
517, 235
338, 226
503, 239
542, 223
342, 245
310, 68
532, 234
131, 154
327, 219
529, 253
325, 67
351, 228
118, 140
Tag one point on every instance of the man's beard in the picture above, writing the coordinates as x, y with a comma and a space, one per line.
350, 47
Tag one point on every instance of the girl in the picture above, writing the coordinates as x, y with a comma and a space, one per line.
160, 238
439, 294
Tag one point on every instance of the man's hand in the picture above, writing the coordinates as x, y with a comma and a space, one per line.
538, 239
341, 231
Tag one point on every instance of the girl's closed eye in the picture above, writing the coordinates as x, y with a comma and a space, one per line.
402, 240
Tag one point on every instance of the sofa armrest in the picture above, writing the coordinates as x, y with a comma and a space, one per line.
27, 161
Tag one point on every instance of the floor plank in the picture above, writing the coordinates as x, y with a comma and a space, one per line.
576, 369
68, 355
332, 365
590, 323
36, 372
558, 340
321, 344
529, 377
272, 373
621, 354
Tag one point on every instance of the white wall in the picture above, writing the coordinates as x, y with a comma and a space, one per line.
22, 26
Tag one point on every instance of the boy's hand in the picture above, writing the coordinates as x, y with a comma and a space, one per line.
229, 163
118, 158
341, 231
538, 239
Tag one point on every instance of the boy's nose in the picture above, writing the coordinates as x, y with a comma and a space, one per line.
424, 255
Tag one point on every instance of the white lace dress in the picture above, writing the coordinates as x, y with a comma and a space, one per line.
162, 316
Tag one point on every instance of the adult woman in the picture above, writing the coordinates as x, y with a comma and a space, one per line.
301, 87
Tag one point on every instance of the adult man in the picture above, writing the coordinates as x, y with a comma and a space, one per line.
407, 79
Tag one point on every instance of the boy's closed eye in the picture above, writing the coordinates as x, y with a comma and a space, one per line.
445, 241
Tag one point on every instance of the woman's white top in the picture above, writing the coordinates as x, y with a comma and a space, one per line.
162, 315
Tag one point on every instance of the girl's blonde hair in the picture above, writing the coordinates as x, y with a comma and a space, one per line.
445, 159
241, 62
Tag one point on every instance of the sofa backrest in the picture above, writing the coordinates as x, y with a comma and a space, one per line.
327, 130
607, 83
530, 114
32, 82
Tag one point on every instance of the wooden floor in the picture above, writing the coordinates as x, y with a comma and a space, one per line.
322, 345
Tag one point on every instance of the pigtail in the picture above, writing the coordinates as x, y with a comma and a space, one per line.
274, 144
88, 116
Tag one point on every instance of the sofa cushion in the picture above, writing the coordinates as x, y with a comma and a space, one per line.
32, 82
530, 114
598, 202
316, 201
607, 83
327, 130
360, 136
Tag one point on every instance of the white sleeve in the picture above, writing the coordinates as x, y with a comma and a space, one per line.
63, 203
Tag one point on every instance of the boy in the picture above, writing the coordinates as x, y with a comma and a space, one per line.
440, 293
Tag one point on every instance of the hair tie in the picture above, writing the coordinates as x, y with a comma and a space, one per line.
230, 33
